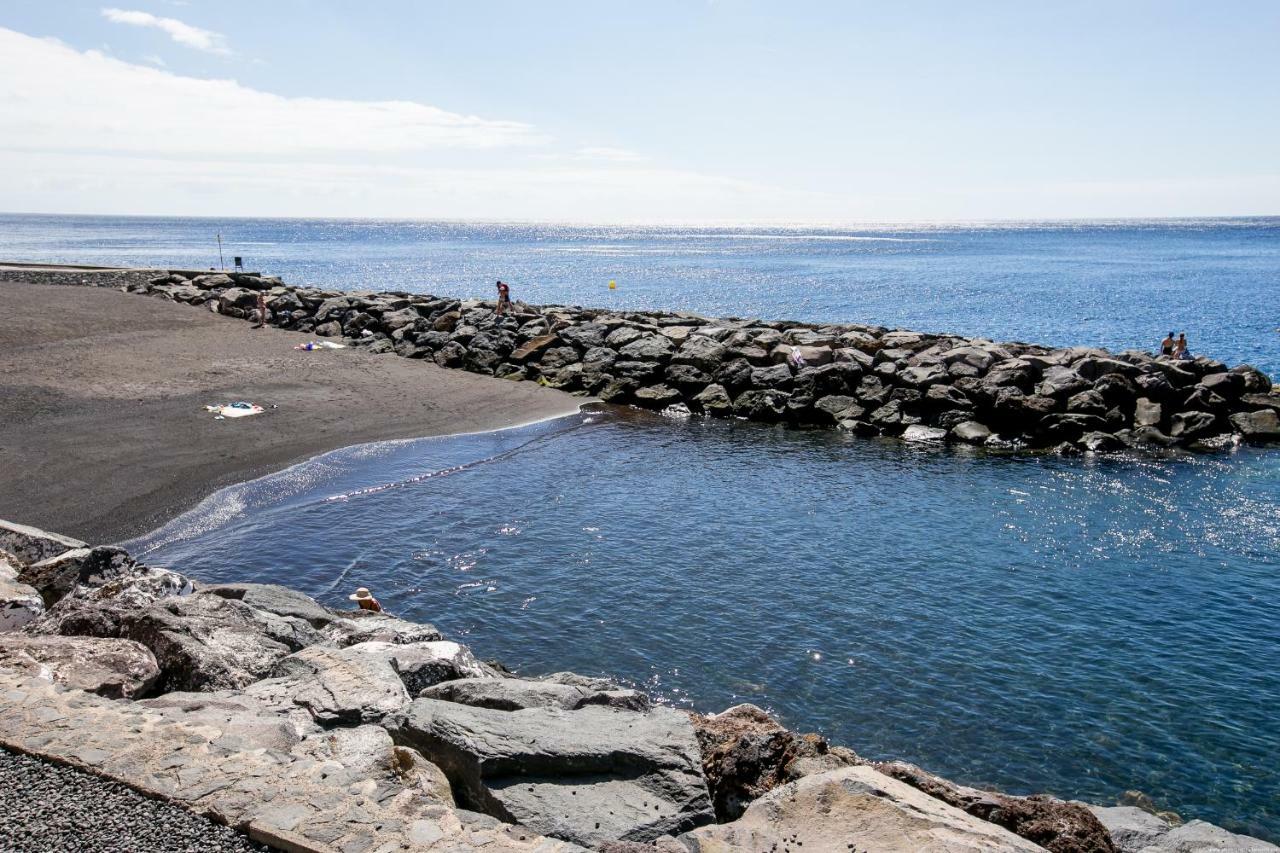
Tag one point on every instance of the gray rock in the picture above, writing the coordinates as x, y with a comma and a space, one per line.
31, 544
768, 405
1131, 828
778, 376
118, 669
854, 809
348, 686
924, 434
589, 776
515, 694
701, 352
1147, 412
714, 400
923, 377
20, 604
971, 432
363, 626
840, 407
276, 599
655, 348
1187, 425
1197, 836
1260, 425
657, 396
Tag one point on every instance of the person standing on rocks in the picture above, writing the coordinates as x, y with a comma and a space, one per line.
262, 310
365, 599
504, 300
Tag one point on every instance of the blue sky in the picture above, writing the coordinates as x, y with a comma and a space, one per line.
713, 111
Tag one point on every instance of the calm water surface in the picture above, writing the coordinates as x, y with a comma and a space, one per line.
1078, 626
1115, 284
1083, 627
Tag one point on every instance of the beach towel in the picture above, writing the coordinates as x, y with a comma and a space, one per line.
238, 409
315, 345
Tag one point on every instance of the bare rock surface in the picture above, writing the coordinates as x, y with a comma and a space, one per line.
119, 669
1135, 830
515, 694
1056, 825
345, 789
589, 776
746, 753
854, 809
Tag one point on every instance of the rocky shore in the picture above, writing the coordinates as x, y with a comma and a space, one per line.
314, 729
866, 380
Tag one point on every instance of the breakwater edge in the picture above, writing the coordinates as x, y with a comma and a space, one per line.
866, 380
316, 729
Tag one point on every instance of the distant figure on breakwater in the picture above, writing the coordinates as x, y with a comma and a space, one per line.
365, 599
1166, 346
504, 299
1180, 350
262, 310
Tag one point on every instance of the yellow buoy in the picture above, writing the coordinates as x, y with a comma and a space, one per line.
613, 285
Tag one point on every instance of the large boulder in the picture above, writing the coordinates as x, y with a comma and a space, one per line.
348, 686
202, 642
654, 348
701, 352
516, 694
118, 669
276, 599
589, 776
1055, 825
854, 809
31, 544
363, 626
1134, 830
746, 753
1260, 425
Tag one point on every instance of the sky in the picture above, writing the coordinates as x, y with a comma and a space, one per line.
721, 111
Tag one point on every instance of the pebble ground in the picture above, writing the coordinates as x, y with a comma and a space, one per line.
47, 808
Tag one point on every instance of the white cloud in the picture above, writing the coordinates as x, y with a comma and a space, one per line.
182, 33
610, 155
94, 134
91, 102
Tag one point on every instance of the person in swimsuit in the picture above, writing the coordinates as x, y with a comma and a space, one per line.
1180, 348
1166, 346
504, 299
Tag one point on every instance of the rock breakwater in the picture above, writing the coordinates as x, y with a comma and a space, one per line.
866, 380
313, 729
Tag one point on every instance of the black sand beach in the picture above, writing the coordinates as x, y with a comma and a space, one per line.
103, 432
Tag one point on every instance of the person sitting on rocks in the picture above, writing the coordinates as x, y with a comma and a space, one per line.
504, 300
365, 599
1166, 346
1180, 350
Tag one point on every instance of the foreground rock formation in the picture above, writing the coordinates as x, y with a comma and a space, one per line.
311, 729
862, 379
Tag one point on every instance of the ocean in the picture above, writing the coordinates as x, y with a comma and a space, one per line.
1084, 627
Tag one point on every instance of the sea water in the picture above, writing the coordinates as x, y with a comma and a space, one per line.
1079, 626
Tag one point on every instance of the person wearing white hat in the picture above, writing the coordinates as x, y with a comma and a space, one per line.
365, 599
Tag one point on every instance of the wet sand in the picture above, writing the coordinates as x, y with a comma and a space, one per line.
103, 432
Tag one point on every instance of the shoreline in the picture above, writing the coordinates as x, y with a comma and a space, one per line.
105, 394
132, 541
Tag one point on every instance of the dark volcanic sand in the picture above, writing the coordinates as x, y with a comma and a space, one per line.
103, 432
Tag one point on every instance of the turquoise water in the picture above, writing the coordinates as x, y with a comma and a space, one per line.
1080, 626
